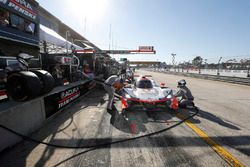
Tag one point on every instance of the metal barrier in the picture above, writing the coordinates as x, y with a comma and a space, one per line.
235, 80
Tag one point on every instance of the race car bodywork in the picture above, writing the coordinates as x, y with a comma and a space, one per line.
146, 94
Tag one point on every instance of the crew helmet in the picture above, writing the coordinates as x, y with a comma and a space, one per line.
181, 83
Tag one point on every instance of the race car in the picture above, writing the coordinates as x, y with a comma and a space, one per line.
146, 94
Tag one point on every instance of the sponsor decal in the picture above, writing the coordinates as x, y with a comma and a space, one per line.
68, 96
146, 48
24, 3
21, 6
58, 100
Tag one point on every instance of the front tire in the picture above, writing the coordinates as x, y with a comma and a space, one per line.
23, 85
47, 80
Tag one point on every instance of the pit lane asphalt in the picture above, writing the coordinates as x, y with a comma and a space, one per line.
180, 146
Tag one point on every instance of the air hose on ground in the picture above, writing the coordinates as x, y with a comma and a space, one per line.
102, 145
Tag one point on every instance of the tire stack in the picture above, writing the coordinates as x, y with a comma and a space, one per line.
26, 85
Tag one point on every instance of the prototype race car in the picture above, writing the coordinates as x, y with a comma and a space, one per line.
146, 94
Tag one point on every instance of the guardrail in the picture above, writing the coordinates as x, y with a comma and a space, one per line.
235, 80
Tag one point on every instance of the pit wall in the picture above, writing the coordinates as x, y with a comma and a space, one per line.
28, 117
24, 118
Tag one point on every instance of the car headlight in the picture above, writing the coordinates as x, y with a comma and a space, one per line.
169, 96
127, 96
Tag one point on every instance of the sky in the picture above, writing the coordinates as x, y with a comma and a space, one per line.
188, 28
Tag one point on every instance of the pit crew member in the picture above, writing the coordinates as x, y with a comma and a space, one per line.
184, 94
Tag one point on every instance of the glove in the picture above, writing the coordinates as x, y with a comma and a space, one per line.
118, 86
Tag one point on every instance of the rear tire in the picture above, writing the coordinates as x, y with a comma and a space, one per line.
47, 80
23, 85
174, 111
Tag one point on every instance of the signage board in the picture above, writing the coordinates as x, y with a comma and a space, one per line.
142, 50
59, 100
113, 52
146, 48
25, 8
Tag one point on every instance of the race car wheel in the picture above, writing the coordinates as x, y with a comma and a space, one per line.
46, 79
23, 85
182, 105
173, 111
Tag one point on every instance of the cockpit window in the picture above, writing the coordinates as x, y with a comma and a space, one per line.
144, 84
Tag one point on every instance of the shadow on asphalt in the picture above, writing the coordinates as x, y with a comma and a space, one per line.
134, 122
172, 141
119, 122
208, 116
17, 155
214, 118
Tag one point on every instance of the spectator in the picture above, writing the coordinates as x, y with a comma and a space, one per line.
4, 17
29, 27
88, 71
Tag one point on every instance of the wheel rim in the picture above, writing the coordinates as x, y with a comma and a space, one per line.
17, 87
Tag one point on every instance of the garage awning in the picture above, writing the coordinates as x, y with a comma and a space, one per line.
12, 34
49, 35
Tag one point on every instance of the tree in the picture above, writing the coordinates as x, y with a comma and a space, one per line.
197, 61
244, 61
231, 61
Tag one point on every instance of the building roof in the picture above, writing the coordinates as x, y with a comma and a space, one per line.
63, 28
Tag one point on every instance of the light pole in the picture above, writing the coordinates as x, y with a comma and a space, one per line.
200, 68
173, 60
218, 70
182, 67
248, 68
188, 66
67, 35
178, 67
109, 35
205, 61
200, 63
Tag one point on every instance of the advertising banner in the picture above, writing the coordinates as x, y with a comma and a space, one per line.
24, 8
57, 101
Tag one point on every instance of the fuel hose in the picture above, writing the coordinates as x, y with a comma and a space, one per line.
27, 138
101, 145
